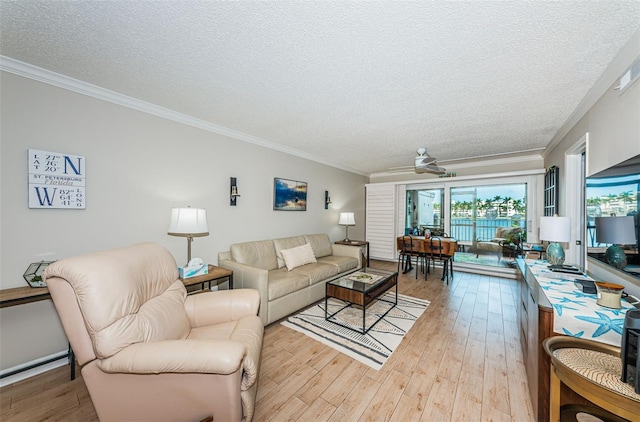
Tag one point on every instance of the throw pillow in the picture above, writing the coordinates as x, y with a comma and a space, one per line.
298, 256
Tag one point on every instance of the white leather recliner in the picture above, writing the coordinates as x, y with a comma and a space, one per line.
149, 352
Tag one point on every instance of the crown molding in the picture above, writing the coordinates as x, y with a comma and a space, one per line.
26, 70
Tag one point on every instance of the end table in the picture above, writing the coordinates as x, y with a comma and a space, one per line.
216, 275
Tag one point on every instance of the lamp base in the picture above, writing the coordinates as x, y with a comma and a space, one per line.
616, 257
555, 254
346, 235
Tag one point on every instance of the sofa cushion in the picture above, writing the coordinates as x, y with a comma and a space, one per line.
316, 272
298, 256
259, 254
286, 243
282, 282
320, 243
342, 263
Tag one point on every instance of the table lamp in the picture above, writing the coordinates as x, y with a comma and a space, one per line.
188, 222
555, 229
616, 231
347, 219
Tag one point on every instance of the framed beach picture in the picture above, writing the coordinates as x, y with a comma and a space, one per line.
289, 195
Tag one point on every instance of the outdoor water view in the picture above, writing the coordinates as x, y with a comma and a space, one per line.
476, 214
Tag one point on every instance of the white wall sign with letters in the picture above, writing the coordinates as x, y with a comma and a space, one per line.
56, 180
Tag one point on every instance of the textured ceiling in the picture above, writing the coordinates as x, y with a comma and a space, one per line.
359, 84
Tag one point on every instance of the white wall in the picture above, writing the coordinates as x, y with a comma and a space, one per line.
613, 127
138, 167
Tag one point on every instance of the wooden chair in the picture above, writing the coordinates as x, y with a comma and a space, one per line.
436, 251
409, 248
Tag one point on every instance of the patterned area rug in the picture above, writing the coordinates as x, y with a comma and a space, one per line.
373, 348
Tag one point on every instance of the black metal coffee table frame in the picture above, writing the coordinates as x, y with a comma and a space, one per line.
362, 294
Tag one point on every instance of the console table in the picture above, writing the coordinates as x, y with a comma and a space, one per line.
536, 322
20, 296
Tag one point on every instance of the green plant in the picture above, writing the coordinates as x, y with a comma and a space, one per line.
516, 236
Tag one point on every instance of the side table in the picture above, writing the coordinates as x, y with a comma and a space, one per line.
355, 243
593, 371
216, 276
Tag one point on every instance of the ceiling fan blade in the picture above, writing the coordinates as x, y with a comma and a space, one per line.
431, 169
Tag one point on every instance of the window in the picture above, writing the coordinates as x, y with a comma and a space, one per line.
424, 211
551, 191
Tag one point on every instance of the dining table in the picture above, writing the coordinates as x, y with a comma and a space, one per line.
422, 244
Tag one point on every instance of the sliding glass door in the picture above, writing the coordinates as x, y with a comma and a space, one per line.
490, 222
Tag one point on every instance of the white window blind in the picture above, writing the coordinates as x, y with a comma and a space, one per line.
380, 221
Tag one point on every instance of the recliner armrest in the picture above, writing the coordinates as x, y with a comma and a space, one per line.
177, 356
222, 306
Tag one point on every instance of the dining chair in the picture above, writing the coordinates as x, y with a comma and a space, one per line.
410, 248
436, 251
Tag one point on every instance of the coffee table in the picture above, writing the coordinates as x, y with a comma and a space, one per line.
361, 288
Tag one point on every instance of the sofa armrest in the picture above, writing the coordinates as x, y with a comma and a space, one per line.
222, 306
177, 356
249, 277
348, 250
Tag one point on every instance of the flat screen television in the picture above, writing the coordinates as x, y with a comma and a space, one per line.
615, 192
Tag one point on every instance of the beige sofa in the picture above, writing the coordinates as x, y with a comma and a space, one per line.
260, 265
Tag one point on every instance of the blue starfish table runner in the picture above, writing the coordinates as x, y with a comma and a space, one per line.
576, 313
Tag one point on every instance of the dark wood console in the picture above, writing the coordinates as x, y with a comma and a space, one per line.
535, 319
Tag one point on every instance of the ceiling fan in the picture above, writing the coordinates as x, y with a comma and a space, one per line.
424, 163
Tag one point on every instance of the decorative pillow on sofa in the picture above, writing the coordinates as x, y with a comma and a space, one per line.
298, 256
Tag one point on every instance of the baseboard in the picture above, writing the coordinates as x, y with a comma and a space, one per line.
35, 367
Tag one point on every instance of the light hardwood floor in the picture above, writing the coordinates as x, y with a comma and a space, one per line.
461, 361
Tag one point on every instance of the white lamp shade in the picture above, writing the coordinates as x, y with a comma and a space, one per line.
615, 230
347, 219
188, 222
555, 229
